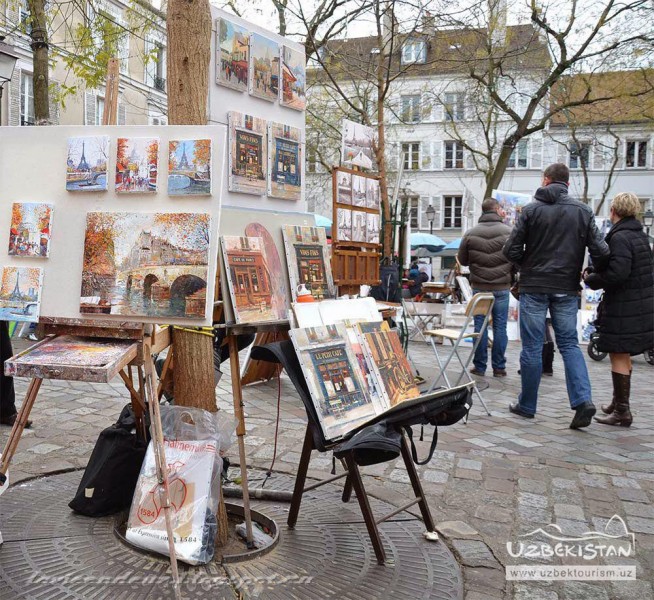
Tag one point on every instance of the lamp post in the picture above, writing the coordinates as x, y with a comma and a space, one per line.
431, 215
648, 221
7, 64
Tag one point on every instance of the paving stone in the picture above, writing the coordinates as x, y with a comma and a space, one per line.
630, 495
44, 448
474, 553
456, 529
625, 482
534, 486
481, 596
400, 476
632, 590
435, 476
593, 480
569, 511
564, 484
467, 474
494, 513
472, 465
638, 525
533, 591
639, 510
535, 500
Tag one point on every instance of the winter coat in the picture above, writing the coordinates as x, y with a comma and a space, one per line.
625, 319
481, 250
549, 241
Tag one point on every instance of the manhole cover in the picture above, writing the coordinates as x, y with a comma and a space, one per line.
50, 553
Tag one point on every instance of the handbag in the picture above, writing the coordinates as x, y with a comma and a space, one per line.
373, 445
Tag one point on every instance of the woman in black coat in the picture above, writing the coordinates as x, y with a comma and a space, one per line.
625, 321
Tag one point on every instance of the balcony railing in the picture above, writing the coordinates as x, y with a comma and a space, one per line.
160, 84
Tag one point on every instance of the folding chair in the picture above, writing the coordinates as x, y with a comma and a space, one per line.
420, 314
479, 305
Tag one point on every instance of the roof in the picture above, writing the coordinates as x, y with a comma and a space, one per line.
631, 96
449, 51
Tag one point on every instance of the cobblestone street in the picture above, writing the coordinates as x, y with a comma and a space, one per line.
490, 482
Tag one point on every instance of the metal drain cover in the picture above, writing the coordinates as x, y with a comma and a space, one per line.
51, 553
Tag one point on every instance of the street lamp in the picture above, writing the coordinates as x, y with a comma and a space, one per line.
431, 215
7, 64
648, 221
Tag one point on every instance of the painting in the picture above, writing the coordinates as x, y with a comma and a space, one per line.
247, 154
359, 226
232, 55
86, 165
285, 169
20, 294
293, 90
373, 228
264, 67
359, 191
511, 203
31, 226
308, 261
334, 379
357, 145
137, 164
373, 194
189, 168
146, 264
344, 225
343, 187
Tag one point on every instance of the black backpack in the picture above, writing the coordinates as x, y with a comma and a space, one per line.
109, 481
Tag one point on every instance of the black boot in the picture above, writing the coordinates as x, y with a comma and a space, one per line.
621, 392
607, 409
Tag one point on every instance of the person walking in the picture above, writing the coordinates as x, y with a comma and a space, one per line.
490, 271
548, 245
625, 319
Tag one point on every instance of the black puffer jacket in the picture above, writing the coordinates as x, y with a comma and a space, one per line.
625, 318
549, 240
481, 250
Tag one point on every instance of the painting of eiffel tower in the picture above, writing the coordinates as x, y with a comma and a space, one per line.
20, 293
189, 167
86, 165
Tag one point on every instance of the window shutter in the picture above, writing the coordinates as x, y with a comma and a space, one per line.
122, 114
392, 156
14, 98
54, 104
426, 108
423, 204
436, 155
425, 156
437, 111
148, 75
123, 52
468, 157
535, 146
562, 153
89, 108
549, 151
438, 205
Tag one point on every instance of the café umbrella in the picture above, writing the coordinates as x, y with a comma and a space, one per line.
426, 241
451, 248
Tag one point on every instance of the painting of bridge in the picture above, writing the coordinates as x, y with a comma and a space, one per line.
20, 294
189, 167
86, 164
146, 264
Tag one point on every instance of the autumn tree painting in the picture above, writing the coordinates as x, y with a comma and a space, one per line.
137, 162
189, 167
30, 230
20, 293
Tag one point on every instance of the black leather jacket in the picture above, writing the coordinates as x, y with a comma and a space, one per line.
549, 240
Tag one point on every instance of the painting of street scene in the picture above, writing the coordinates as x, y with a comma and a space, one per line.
293, 79
264, 68
285, 153
31, 224
146, 264
20, 294
344, 187
373, 229
359, 225
232, 55
357, 148
344, 225
373, 195
137, 163
359, 191
248, 154
189, 167
86, 165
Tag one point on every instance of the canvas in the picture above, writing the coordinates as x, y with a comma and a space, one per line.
357, 145
512, 204
334, 379
359, 226
373, 229
293, 89
189, 167
247, 154
344, 224
308, 261
343, 187
20, 294
146, 264
285, 169
359, 191
264, 67
137, 164
31, 227
373, 195
86, 164
232, 55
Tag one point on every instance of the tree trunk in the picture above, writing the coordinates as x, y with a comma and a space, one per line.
188, 26
194, 383
40, 50
497, 173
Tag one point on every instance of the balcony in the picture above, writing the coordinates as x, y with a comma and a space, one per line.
160, 84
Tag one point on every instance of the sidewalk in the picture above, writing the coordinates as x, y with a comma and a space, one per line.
490, 482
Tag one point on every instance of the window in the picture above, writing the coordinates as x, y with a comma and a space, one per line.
411, 154
453, 155
155, 67
414, 51
452, 211
579, 154
26, 99
636, 154
99, 110
453, 103
411, 108
24, 16
519, 156
413, 213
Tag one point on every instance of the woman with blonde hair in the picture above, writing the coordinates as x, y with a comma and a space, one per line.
625, 320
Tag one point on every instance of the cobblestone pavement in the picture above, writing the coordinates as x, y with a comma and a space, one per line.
491, 480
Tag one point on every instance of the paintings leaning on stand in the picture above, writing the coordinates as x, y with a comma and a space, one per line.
247, 154
264, 67
146, 264
86, 164
292, 92
285, 169
189, 167
31, 226
357, 145
232, 55
137, 164
308, 261
20, 294
343, 225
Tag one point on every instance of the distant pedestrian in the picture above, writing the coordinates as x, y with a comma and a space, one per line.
625, 318
548, 245
490, 271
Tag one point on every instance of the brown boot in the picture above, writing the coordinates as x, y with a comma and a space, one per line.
607, 409
621, 392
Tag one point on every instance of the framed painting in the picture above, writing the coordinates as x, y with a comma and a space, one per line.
292, 92
247, 154
189, 168
232, 55
285, 166
31, 228
264, 68
20, 294
86, 164
137, 165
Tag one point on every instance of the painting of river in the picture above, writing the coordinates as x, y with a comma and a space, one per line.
189, 168
86, 164
20, 294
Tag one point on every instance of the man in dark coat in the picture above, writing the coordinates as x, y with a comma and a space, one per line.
490, 271
625, 320
8, 411
548, 244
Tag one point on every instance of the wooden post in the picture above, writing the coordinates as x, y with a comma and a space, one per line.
110, 115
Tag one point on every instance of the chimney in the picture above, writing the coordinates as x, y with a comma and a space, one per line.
497, 11
389, 27
429, 24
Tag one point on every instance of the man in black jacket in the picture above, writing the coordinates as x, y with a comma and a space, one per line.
490, 271
548, 244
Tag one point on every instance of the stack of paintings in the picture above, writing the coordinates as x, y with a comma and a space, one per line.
357, 204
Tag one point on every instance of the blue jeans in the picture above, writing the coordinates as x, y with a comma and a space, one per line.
500, 316
563, 309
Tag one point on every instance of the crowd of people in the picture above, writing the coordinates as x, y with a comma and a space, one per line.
545, 254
